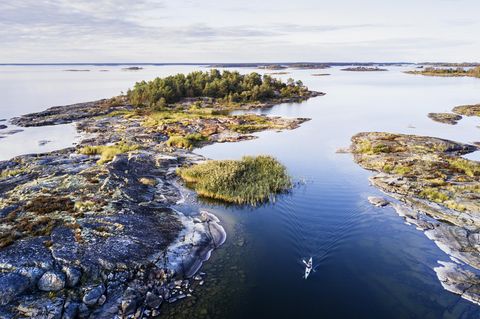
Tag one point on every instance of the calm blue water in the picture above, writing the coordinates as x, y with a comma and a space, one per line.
369, 264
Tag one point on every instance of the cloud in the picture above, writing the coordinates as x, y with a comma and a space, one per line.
66, 21
40, 30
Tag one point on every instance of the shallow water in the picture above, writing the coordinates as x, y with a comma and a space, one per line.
369, 264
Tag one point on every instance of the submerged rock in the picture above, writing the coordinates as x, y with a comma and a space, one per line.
378, 201
43, 142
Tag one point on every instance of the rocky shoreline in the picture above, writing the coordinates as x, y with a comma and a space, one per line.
82, 238
432, 187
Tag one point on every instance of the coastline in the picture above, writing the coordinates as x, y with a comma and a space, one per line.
432, 192
138, 182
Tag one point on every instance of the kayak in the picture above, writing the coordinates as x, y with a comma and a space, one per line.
308, 267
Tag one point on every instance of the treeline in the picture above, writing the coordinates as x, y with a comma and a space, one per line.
227, 85
474, 72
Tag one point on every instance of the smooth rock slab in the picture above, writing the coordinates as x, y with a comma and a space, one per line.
34, 253
12, 285
459, 281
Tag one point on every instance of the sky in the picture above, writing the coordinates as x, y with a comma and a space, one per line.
169, 31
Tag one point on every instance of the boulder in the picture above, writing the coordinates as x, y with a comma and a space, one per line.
153, 301
73, 276
128, 306
70, 310
51, 281
92, 295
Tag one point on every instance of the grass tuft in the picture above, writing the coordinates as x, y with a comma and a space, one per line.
468, 167
251, 180
187, 142
108, 152
434, 195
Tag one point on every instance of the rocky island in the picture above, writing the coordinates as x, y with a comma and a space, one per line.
446, 118
132, 68
94, 231
433, 187
458, 111
448, 72
467, 110
272, 67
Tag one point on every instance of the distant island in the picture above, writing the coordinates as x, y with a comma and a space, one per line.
451, 65
77, 70
132, 68
364, 69
306, 65
278, 73
272, 67
448, 72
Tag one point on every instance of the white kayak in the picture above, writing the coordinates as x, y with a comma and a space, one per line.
308, 267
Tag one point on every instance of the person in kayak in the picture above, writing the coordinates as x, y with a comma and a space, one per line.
308, 267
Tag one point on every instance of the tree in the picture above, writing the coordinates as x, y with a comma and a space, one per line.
226, 85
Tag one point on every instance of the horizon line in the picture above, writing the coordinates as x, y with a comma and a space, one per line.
216, 63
